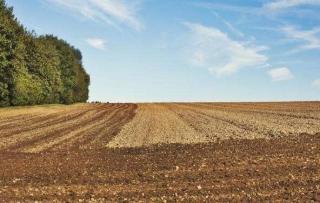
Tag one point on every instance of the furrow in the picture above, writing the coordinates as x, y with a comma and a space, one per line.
53, 130
214, 127
79, 142
155, 124
272, 126
314, 115
42, 122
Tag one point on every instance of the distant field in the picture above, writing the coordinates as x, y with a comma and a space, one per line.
182, 151
198, 123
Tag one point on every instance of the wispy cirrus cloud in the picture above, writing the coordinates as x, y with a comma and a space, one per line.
280, 74
229, 8
270, 9
310, 39
97, 43
111, 12
214, 50
279, 5
228, 24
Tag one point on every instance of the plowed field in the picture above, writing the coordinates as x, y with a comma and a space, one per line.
198, 123
79, 126
161, 152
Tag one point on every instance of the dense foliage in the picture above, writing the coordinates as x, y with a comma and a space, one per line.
37, 70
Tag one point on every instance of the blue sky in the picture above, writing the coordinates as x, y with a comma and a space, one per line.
188, 50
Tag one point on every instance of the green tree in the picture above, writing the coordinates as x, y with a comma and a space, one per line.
8, 36
38, 70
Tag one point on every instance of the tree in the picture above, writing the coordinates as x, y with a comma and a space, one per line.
7, 48
38, 70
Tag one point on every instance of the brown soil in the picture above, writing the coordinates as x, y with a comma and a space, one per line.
240, 170
65, 128
65, 160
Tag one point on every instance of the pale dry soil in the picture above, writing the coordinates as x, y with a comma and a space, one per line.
202, 123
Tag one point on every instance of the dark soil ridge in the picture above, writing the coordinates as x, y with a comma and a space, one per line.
285, 169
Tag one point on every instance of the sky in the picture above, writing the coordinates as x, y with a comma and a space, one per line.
188, 50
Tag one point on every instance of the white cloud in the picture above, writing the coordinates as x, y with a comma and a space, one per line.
279, 74
316, 83
97, 43
214, 50
285, 4
309, 37
108, 11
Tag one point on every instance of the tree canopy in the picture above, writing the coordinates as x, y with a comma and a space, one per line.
38, 69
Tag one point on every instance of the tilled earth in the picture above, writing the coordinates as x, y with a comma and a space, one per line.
83, 126
161, 152
202, 123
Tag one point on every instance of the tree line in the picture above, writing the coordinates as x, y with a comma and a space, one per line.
38, 69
